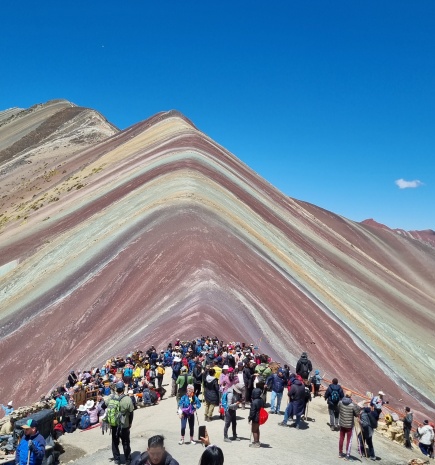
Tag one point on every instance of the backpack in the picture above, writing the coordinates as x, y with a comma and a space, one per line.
307, 394
113, 411
128, 372
224, 402
335, 396
85, 421
263, 416
304, 369
373, 420
316, 380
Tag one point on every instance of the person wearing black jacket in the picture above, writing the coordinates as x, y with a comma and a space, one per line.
254, 416
304, 366
155, 454
72, 379
333, 395
296, 405
248, 378
211, 394
407, 427
197, 374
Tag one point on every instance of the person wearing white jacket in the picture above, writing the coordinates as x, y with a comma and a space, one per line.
426, 435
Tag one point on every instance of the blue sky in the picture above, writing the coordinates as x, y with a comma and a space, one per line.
332, 102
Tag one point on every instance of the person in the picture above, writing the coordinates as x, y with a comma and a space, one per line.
277, 382
426, 437
249, 378
8, 427
211, 394
254, 416
155, 454
304, 366
176, 367
31, 449
60, 404
367, 422
197, 378
347, 412
233, 401
378, 401
72, 378
8, 409
120, 423
160, 374
316, 382
333, 395
133, 398
296, 405
182, 382
92, 412
187, 408
212, 455
407, 420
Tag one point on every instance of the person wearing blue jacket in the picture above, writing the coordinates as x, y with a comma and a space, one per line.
60, 405
187, 407
31, 449
277, 383
8, 409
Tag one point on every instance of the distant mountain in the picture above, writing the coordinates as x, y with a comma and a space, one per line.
115, 240
426, 236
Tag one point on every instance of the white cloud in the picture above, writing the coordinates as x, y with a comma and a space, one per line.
402, 184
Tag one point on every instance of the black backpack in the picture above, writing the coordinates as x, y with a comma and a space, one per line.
304, 369
373, 420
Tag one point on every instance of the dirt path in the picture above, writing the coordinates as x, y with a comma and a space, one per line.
315, 444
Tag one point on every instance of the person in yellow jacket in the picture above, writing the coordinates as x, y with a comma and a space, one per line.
137, 373
160, 372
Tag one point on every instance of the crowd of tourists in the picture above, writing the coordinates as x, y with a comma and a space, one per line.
213, 376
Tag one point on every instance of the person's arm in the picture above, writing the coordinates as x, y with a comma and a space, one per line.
38, 448
17, 454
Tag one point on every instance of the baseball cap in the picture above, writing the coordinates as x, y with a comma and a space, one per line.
120, 385
30, 423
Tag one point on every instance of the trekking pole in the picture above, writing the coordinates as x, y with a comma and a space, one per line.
29, 445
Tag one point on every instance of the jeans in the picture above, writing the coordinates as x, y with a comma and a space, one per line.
424, 448
122, 434
275, 397
333, 416
290, 411
191, 420
230, 419
407, 436
345, 432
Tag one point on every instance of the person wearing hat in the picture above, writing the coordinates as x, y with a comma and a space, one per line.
92, 412
8, 409
347, 412
233, 402
31, 449
176, 370
276, 382
378, 401
121, 431
187, 408
316, 382
367, 422
426, 437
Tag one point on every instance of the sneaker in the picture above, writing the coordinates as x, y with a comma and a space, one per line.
235, 438
297, 427
192, 441
341, 455
281, 423
332, 428
227, 440
181, 442
348, 458
255, 445
373, 458
271, 412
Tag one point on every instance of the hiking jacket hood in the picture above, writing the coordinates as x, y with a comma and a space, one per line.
297, 391
211, 390
347, 412
256, 405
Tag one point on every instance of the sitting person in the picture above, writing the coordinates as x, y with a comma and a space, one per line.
155, 454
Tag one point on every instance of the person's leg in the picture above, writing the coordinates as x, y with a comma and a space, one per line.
278, 402
210, 411
115, 445
227, 423
348, 438
298, 420
256, 432
125, 437
336, 417
183, 427
371, 449
341, 441
272, 401
287, 414
234, 423
173, 388
424, 448
192, 427
407, 435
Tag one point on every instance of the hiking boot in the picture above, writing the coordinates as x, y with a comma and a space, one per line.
255, 445
227, 440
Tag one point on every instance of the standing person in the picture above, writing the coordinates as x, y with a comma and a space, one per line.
160, 374
176, 369
182, 382
333, 395
254, 416
211, 394
304, 366
296, 405
188, 405
231, 401
8, 409
426, 437
120, 417
197, 374
378, 401
31, 449
367, 423
277, 382
347, 413
249, 378
316, 382
407, 419
156, 453
72, 378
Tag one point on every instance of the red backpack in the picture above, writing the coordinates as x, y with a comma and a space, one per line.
263, 417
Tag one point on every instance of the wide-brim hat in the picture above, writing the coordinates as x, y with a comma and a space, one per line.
82, 408
381, 393
89, 404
